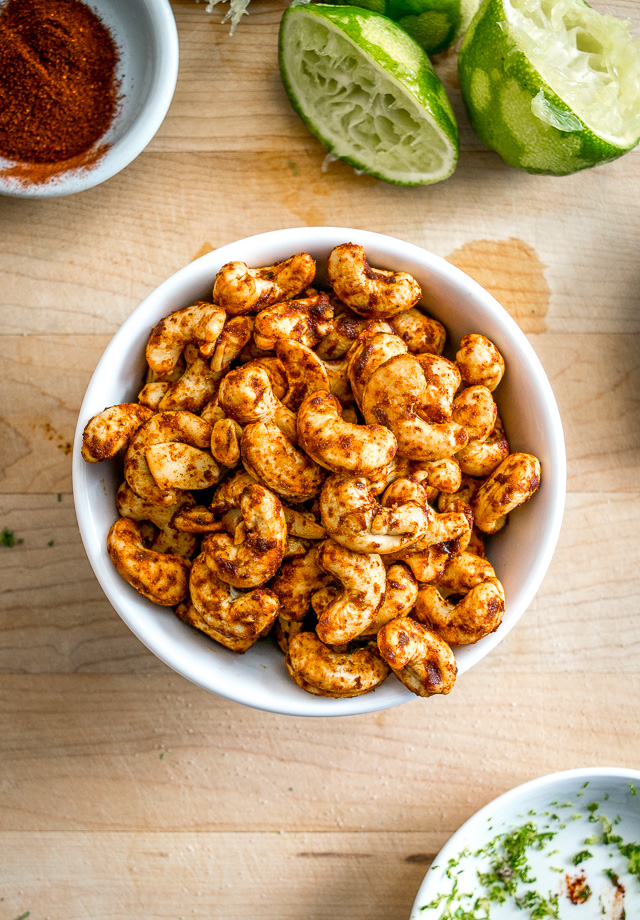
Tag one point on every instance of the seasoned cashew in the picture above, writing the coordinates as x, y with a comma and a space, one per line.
195, 388
271, 458
254, 554
303, 525
163, 428
440, 528
480, 457
167, 539
464, 572
480, 362
240, 289
225, 441
464, 493
475, 409
181, 466
401, 591
338, 445
434, 475
285, 631
161, 577
246, 396
425, 564
362, 576
305, 372
419, 659
420, 333
369, 291
239, 615
354, 519
111, 430
187, 612
326, 672
405, 391
274, 371
347, 327
235, 335
509, 486
199, 323
296, 581
306, 320
369, 352
473, 617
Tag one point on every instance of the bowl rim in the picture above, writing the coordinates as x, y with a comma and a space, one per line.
309, 238
140, 132
452, 845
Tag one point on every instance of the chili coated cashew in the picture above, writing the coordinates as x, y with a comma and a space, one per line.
304, 525
401, 591
347, 327
464, 493
163, 428
464, 572
244, 616
422, 661
200, 323
225, 441
181, 466
354, 519
369, 352
168, 538
246, 396
111, 430
440, 528
285, 631
509, 486
420, 333
405, 391
161, 577
187, 612
235, 335
475, 409
327, 672
480, 457
305, 372
254, 554
193, 390
306, 320
369, 291
240, 289
295, 583
425, 564
479, 361
433, 475
363, 577
473, 617
271, 458
338, 445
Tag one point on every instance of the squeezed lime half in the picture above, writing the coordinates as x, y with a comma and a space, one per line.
368, 91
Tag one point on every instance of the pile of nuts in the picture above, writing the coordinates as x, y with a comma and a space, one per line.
356, 472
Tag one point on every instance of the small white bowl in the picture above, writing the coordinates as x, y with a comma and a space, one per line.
521, 553
617, 792
147, 39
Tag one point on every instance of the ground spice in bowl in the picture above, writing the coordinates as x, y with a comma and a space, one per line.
58, 86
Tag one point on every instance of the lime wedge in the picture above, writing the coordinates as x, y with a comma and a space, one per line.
551, 85
435, 24
368, 92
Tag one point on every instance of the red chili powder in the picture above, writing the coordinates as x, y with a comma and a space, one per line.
58, 88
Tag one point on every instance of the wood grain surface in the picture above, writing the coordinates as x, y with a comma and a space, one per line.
126, 792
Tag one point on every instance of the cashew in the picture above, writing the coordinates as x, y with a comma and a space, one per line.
401, 591
404, 391
325, 672
235, 335
425, 564
111, 431
481, 457
421, 660
181, 466
163, 428
475, 409
305, 372
271, 458
354, 519
510, 485
464, 572
285, 631
296, 581
303, 525
465, 492
420, 333
245, 616
274, 371
225, 441
338, 445
188, 614
161, 577
369, 352
168, 539
369, 291
465, 623
433, 475
480, 362
254, 554
240, 289
346, 328
362, 576
306, 320
246, 396
195, 388
201, 322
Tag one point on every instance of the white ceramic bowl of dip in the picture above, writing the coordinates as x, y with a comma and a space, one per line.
525, 401
146, 36
561, 803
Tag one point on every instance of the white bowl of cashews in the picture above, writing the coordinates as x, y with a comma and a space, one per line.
520, 552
